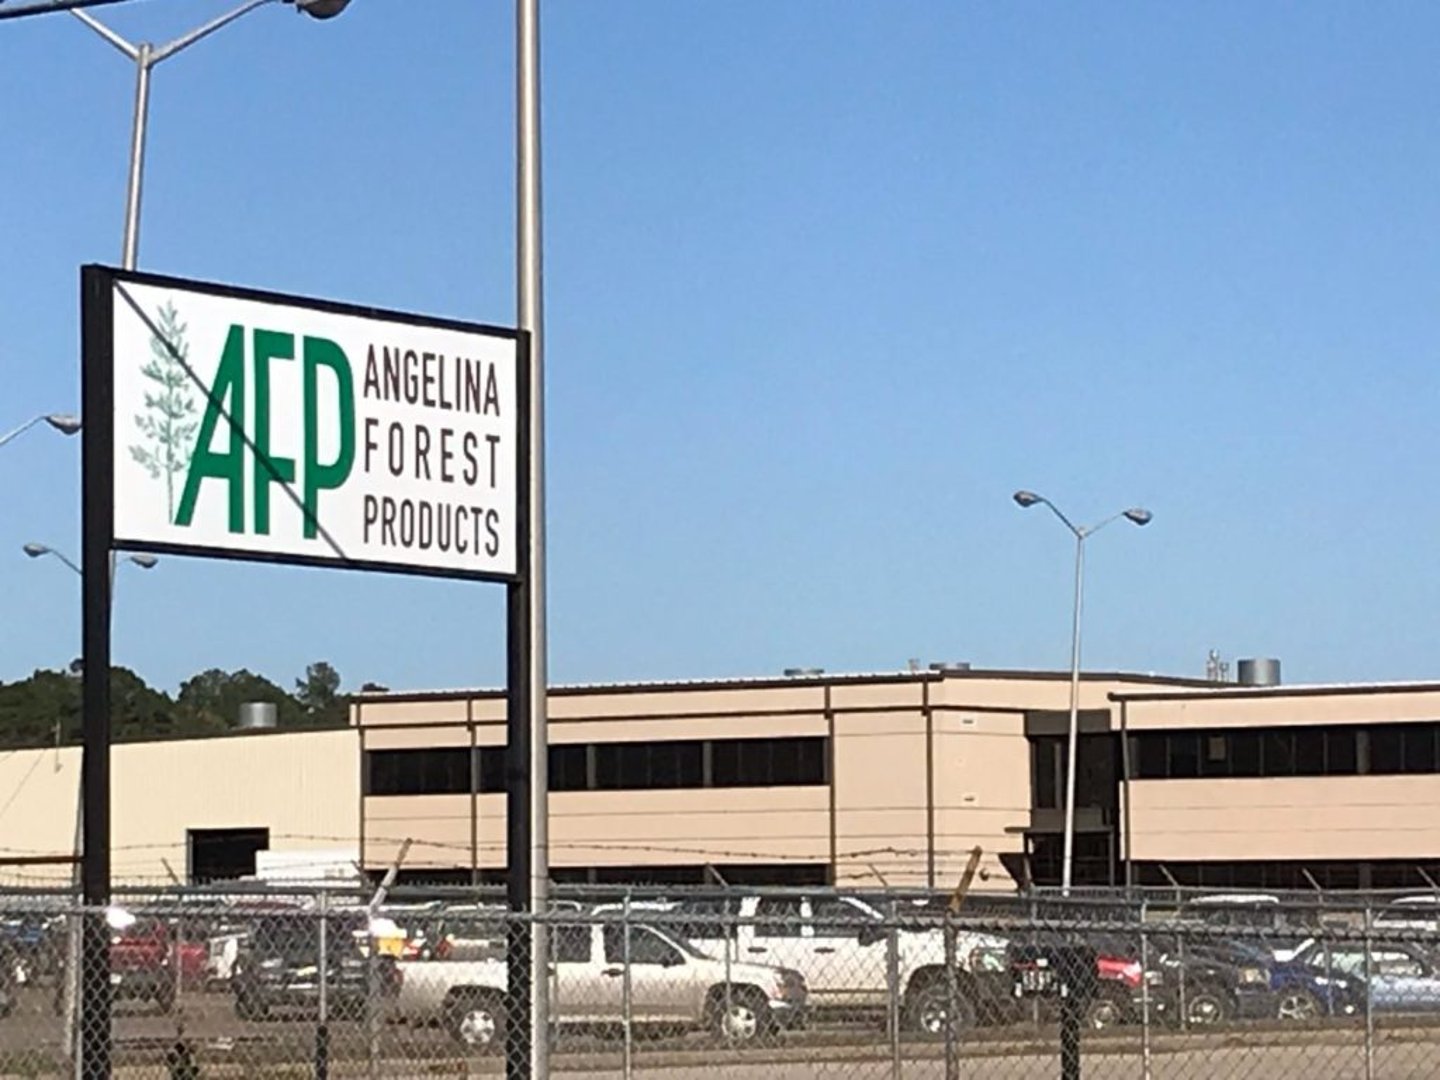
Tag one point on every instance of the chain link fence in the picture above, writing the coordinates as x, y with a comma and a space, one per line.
733, 983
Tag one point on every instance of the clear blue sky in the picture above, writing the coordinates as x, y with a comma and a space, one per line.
825, 283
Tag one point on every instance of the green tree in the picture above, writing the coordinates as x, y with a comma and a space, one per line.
214, 697
169, 423
37, 710
46, 707
318, 693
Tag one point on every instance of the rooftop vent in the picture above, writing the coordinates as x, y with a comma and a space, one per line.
1264, 671
258, 715
801, 672
950, 665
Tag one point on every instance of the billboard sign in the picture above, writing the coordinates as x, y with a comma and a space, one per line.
253, 425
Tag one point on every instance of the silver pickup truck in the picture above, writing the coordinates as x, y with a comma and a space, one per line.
670, 982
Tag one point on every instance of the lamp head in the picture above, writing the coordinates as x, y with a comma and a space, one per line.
321, 9
1026, 498
65, 423
145, 562
1139, 515
36, 550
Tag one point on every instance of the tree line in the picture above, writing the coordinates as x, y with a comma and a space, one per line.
45, 709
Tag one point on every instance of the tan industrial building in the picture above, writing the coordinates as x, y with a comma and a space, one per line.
852, 779
181, 808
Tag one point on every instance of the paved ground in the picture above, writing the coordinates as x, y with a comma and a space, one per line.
281, 1049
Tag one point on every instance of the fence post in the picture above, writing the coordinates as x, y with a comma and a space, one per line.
627, 1003
322, 977
731, 931
892, 996
70, 990
1181, 995
952, 1002
1369, 1012
1074, 983
1145, 1061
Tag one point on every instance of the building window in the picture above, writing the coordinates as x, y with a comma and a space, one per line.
648, 765
1049, 756
620, 766
1245, 753
1279, 752
224, 854
1341, 758
1327, 750
767, 762
492, 769
569, 767
431, 771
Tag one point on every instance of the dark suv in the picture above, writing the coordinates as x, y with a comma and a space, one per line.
278, 967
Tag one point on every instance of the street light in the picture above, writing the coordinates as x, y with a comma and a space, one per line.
64, 423
145, 56
37, 551
1137, 516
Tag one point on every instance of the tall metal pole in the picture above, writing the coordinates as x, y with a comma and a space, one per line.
97, 510
527, 855
131, 244
1067, 874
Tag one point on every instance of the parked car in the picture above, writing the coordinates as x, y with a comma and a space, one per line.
32, 945
671, 982
140, 962
278, 967
1199, 982
1303, 990
1403, 978
1281, 928
1410, 913
839, 943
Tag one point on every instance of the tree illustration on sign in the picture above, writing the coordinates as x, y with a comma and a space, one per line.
168, 424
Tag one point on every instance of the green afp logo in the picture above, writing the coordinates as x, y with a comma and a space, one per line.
249, 437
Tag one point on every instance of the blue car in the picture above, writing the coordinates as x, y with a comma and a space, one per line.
1305, 987
1403, 978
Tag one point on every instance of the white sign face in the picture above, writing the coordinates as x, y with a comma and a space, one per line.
266, 428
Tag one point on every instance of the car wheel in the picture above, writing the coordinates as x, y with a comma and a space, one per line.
1205, 1007
1104, 1012
928, 1011
476, 1021
1297, 1006
743, 1018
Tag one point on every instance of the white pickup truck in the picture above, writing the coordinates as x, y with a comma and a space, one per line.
670, 982
840, 944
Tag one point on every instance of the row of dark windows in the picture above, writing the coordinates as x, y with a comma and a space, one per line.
1332, 750
735, 874
614, 766
1290, 875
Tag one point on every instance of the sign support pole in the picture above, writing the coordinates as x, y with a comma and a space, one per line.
527, 807
97, 524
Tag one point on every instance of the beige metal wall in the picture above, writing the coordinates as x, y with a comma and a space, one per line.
1315, 818
302, 786
923, 769
1324, 818
1281, 707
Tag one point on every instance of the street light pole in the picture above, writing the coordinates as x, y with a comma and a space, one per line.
145, 56
1137, 516
64, 423
36, 551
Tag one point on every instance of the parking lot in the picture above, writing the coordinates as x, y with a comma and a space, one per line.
225, 1046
